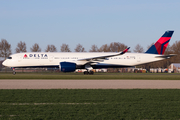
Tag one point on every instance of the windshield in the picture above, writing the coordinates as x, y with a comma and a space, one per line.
9, 58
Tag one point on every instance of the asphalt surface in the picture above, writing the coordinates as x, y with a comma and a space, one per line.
89, 84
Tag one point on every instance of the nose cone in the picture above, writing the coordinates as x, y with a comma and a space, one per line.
5, 63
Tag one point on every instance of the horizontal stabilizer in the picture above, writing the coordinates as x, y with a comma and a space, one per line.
166, 56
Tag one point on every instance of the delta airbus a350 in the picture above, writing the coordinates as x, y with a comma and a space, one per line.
69, 62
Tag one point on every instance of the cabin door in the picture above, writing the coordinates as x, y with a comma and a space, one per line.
51, 58
19, 58
138, 58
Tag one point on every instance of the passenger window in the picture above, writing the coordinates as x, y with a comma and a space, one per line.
9, 58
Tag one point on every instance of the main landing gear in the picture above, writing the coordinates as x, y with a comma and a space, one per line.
88, 72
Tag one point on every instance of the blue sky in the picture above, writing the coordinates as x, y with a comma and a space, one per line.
87, 22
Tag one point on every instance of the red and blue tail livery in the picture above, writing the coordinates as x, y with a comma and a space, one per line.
160, 46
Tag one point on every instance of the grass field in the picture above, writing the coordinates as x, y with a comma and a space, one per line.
150, 76
89, 104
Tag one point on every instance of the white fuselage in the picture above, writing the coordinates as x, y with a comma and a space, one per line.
53, 59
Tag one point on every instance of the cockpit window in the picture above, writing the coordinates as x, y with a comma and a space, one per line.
9, 58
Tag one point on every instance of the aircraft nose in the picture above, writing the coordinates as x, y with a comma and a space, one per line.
5, 63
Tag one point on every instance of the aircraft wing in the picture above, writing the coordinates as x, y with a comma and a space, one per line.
102, 58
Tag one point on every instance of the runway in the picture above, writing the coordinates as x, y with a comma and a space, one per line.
89, 84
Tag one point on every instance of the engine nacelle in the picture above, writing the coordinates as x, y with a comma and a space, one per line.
67, 66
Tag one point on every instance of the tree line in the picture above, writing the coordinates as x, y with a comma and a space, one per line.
5, 50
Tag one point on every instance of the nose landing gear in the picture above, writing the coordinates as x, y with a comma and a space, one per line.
14, 72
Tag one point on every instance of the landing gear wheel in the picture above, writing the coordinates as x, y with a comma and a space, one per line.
91, 72
85, 72
14, 72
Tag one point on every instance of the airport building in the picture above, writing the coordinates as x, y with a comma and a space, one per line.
174, 67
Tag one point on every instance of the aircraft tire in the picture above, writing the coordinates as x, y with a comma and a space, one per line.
14, 72
91, 72
85, 72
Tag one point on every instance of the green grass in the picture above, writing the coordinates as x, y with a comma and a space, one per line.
150, 76
90, 104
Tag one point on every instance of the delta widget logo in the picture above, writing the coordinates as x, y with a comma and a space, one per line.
25, 56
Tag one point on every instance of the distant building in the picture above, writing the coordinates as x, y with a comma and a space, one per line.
174, 67
101, 70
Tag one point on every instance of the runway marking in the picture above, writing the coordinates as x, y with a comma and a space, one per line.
51, 103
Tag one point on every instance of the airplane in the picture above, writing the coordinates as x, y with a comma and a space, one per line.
69, 62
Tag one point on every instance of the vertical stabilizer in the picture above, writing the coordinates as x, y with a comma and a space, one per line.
160, 46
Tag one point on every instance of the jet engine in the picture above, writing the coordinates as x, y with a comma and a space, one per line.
67, 66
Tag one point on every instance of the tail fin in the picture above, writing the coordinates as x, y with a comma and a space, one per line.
160, 46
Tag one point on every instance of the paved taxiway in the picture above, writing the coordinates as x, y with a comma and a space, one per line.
89, 84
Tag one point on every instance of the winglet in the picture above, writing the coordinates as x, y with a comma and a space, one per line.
124, 51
